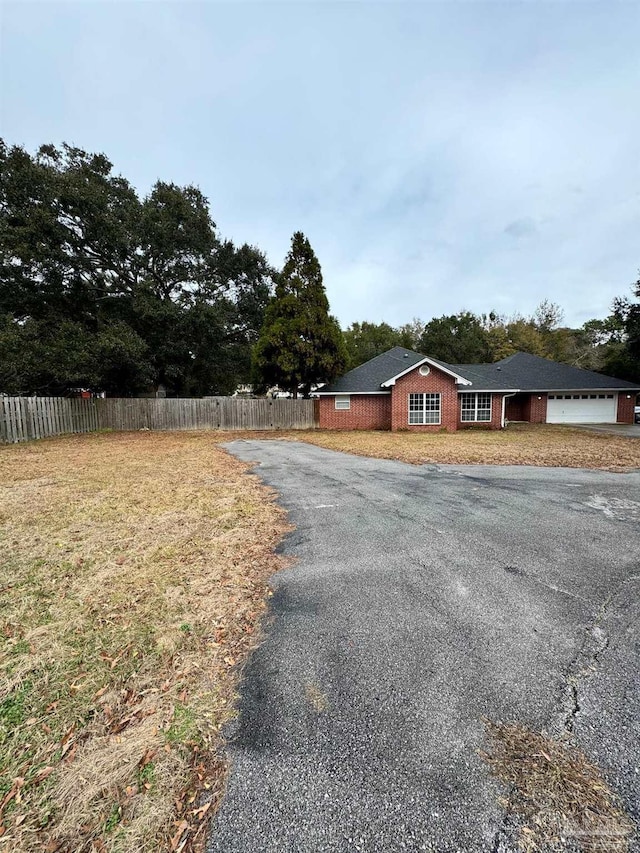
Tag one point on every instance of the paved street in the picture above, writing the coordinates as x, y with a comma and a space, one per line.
422, 599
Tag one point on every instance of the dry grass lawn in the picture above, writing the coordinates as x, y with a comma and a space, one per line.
549, 446
134, 572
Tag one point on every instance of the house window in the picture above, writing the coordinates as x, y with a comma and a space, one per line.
343, 402
424, 408
475, 407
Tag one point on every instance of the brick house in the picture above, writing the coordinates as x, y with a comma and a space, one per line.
405, 390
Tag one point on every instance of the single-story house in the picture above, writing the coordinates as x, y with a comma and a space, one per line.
405, 390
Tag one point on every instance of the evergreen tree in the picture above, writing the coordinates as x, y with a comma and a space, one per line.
300, 344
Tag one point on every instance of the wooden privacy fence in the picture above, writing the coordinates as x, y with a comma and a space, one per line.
24, 418
206, 413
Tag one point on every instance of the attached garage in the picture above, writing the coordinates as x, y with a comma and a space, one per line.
582, 407
402, 389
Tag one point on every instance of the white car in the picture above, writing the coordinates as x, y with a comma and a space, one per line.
636, 416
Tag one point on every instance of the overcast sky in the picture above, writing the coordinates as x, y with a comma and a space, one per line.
439, 156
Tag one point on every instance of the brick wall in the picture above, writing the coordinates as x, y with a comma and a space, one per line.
496, 416
625, 407
366, 412
538, 410
518, 407
414, 383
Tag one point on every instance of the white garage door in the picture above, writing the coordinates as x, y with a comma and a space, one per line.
578, 407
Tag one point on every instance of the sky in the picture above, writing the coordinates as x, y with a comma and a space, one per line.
438, 156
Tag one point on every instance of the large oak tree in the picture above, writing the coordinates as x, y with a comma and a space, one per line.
103, 289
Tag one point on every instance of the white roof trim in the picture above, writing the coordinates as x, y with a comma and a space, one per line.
347, 393
459, 379
545, 390
598, 390
494, 391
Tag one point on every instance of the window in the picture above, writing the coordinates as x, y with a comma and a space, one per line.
343, 402
424, 370
475, 407
424, 408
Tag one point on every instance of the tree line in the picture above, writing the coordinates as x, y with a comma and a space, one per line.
103, 289
610, 346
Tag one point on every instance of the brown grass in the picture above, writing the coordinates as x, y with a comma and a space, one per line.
134, 572
549, 446
560, 797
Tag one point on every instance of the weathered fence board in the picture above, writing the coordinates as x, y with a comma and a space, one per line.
25, 418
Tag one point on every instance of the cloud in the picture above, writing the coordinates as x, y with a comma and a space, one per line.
525, 227
400, 137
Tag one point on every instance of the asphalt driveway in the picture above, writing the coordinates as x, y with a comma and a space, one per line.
422, 599
621, 430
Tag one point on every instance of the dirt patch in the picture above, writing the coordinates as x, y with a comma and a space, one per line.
544, 445
562, 800
134, 574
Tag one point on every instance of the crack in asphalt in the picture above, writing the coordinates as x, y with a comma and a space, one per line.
518, 572
421, 600
594, 643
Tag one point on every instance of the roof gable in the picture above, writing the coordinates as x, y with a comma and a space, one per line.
439, 365
368, 377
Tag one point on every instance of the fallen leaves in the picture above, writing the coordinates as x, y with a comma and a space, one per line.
134, 538
561, 797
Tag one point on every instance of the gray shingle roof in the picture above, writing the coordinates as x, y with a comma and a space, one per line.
527, 372
522, 372
370, 375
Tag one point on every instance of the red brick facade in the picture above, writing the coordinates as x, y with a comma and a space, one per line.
391, 411
626, 407
415, 383
518, 407
538, 409
496, 416
367, 411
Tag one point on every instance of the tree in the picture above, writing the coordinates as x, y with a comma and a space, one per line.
102, 289
366, 340
456, 339
300, 344
411, 333
538, 334
623, 357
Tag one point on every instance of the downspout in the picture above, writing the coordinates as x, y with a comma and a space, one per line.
504, 406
